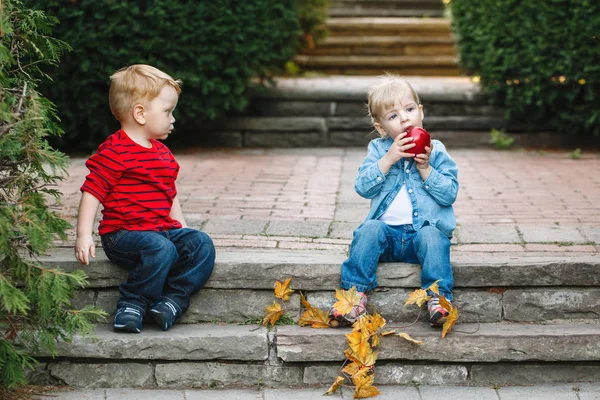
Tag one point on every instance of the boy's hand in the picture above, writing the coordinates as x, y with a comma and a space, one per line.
422, 163
84, 246
397, 151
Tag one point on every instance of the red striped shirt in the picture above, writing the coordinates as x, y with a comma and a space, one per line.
135, 184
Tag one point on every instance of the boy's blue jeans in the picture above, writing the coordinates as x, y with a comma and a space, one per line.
172, 264
375, 241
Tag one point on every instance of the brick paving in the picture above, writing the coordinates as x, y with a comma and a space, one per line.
522, 202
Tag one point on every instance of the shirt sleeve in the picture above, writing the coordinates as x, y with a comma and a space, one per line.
370, 179
105, 168
442, 182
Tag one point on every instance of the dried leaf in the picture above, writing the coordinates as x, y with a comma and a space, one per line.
316, 318
282, 290
368, 361
409, 338
387, 333
272, 313
347, 299
305, 302
352, 368
363, 382
417, 297
434, 287
336, 385
359, 344
445, 303
450, 321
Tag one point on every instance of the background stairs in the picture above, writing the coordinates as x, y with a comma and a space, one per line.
370, 38
522, 321
386, 8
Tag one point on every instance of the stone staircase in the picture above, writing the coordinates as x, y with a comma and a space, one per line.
522, 320
386, 8
374, 37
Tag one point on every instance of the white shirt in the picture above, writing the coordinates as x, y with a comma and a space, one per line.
400, 211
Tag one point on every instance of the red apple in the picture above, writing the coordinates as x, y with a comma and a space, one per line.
422, 139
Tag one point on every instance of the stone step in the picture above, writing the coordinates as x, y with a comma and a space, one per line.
382, 63
493, 288
384, 45
224, 355
493, 342
386, 8
389, 26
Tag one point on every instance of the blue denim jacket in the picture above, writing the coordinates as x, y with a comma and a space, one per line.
431, 199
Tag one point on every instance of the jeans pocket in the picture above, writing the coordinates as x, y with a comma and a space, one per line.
111, 239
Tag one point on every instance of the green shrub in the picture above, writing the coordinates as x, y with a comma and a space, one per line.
539, 59
35, 301
216, 47
312, 15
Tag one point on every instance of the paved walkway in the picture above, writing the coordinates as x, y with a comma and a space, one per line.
526, 203
578, 391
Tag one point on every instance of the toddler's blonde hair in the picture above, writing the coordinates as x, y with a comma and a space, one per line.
385, 94
136, 84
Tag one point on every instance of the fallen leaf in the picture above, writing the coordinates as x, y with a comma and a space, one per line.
272, 313
410, 339
336, 385
305, 302
434, 287
359, 344
316, 318
282, 290
368, 361
352, 368
387, 333
417, 297
363, 382
450, 321
347, 299
445, 303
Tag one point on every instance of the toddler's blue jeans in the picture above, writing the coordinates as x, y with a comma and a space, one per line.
375, 241
172, 264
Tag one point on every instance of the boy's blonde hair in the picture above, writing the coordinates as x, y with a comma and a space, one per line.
384, 95
136, 84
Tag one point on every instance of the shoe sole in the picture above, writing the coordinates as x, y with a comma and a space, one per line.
159, 319
437, 319
128, 327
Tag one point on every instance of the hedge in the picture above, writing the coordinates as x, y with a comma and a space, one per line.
539, 59
216, 47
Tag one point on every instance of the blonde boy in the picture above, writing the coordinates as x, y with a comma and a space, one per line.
142, 228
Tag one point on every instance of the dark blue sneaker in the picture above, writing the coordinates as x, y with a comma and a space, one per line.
164, 313
128, 319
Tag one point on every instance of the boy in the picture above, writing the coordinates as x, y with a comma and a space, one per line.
142, 227
411, 217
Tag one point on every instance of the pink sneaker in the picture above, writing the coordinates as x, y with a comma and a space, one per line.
437, 313
357, 311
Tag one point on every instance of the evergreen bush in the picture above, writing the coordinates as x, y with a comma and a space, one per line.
35, 307
218, 48
539, 59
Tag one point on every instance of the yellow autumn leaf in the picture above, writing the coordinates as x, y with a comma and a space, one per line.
434, 287
305, 302
315, 317
272, 313
387, 333
374, 323
445, 303
282, 290
450, 321
359, 344
352, 368
369, 361
347, 299
409, 338
336, 385
417, 297
363, 382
